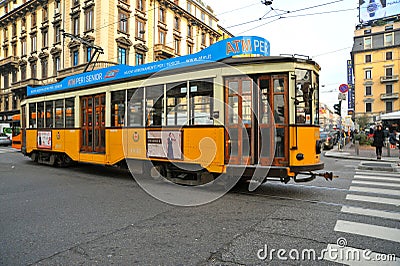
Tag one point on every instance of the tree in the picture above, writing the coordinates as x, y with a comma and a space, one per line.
362, 120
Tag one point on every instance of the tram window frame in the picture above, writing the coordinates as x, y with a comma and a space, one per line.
49, 117
177, 104
40, 114
135, 107
59, 117
303, 107
202, 90
154, 105
70, 105
316, 98
32, 118
118, 100
278, 85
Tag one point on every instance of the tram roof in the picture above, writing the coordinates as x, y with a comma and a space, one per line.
222, 51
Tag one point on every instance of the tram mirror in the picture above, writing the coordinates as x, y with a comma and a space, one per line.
215, 115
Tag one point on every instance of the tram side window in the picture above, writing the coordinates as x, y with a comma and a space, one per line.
32, 115
118, 108
265, 113
69, 112
154, 105
59, 115
177, 104
200, 102
279, 108
135, 107
40, 114
49, 114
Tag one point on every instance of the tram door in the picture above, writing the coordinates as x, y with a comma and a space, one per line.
251, 108
266, 127
93, 123
238, 120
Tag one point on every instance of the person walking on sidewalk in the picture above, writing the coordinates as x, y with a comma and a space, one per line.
379, 138
394, 141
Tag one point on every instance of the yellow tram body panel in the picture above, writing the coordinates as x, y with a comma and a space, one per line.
303, 141
203, 146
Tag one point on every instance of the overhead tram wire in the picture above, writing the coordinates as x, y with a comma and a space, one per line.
303, 15
240, 8
331, 52
294, 11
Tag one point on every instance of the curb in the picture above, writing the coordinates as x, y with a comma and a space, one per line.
386, 167
353, 157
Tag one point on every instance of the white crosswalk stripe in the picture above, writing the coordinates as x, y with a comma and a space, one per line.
371, 187
380, 200
379, 178
382, 184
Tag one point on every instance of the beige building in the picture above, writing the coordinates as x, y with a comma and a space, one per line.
376, 59
35, 52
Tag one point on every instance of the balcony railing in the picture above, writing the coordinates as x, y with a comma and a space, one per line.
9, 61
24, 83
389, 96
79, 69
163, 50
392, 78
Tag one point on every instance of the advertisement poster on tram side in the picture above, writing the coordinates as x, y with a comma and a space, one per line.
164, 144
44, 139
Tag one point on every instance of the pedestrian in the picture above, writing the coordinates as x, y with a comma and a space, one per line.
394, 141
378, 141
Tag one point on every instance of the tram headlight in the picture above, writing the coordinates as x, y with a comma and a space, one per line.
299, 156
318, 147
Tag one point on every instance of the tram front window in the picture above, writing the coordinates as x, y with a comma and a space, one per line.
306, 101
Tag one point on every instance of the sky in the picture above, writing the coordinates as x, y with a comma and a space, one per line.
320, 29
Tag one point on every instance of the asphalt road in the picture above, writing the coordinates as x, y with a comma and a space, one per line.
90, 214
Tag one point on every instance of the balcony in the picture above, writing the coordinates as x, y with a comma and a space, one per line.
392, 78
164, 51
9, 62
79, 69
23, 83
389, 96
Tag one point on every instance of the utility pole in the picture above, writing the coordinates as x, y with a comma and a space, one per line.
97, 49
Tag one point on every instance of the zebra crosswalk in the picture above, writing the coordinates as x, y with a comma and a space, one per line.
373, 195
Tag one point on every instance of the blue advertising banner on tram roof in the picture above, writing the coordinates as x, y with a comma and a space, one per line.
223, 49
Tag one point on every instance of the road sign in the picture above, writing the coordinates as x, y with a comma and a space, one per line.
343, 88
341, 97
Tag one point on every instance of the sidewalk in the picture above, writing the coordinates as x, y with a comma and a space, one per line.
366, 153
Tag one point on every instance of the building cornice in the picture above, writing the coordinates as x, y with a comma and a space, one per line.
21, 11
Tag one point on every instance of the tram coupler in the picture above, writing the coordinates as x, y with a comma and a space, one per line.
312, 176
327, 175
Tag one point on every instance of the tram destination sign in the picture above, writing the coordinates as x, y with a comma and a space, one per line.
223, 49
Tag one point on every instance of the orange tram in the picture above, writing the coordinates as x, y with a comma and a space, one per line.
16, 132
190, 118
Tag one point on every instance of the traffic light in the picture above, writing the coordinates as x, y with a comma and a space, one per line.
338, 108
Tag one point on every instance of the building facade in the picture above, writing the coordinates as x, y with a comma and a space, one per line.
34, 51
376, 59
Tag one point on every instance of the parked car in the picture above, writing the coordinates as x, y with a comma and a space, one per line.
327, 140
4, 139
